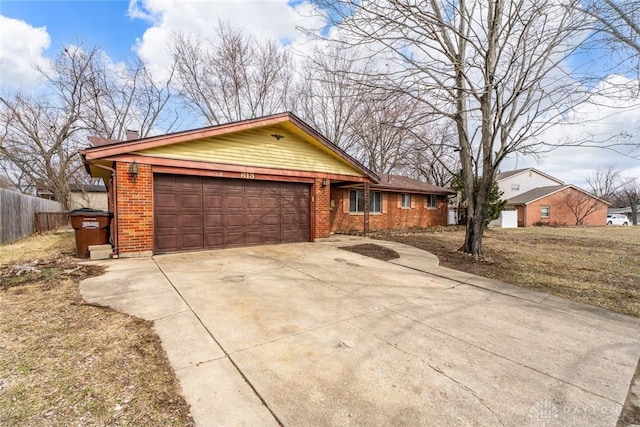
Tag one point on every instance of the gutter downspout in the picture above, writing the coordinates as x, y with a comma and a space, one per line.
115, 252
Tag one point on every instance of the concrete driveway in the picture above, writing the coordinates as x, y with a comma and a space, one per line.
309, 334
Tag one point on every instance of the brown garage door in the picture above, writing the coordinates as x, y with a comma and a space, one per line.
193, 212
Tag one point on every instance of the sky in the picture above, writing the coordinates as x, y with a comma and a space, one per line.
31, 31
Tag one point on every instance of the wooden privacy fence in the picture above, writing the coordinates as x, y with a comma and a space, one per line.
17, 214
45, 221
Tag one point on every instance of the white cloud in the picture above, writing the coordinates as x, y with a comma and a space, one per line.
272, 19
21, 49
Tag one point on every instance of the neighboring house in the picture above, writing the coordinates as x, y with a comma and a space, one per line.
395, 202
258, 181
89, 196
520, 181
558, 205
535, 198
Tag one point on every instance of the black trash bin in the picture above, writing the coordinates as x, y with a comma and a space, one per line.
91, 227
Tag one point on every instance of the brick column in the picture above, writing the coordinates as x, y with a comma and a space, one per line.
322, 203
135, 210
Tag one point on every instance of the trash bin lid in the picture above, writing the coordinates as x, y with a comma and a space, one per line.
89, 212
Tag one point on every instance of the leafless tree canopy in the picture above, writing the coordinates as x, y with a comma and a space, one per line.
42, 131
581, 204
605, 182
493, 69
232, 77
617, 25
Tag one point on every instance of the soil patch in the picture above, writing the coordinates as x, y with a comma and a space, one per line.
372, 250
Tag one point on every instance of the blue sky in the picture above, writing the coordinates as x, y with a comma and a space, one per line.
100, 23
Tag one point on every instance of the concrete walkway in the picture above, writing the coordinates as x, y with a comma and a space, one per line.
308, 334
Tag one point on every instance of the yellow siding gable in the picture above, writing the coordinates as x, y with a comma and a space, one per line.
257, 147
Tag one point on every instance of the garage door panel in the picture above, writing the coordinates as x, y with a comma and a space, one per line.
192, 240
190, 201
233, 201
166, 243
234, 238
201, 212
253, 220
166, 200
234, 220
212, 201
213, 220
214, 240
166, 221
272, 219
253, 202
186, 183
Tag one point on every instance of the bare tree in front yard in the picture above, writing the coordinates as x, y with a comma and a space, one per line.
581, 204
494, 69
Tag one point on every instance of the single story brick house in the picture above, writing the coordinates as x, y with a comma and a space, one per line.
266, 180
394, 202
558, 205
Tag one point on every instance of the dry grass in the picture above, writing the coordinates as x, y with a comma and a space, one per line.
595, 265
63, 362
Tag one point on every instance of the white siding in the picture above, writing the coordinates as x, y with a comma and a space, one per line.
525, 181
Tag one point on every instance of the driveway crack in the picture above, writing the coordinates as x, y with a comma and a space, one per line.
504, 357
440, 371
226, 353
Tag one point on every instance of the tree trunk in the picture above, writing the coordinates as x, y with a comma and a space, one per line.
476, 214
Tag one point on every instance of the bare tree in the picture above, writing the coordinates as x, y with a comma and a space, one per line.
492, 68
605, 182
232, 77
433, 156
127, 97
629, 195
617, 28
328, 96
41, 134
381, 131
581, 204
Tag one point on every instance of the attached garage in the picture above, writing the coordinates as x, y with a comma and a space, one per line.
192, 212
260, 181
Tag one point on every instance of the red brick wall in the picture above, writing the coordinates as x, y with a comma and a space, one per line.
135, 209
392, 215
321, 200
560, 213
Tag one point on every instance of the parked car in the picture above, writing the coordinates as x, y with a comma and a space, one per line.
617, 219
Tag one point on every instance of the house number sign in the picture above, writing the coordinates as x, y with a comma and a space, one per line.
247, 175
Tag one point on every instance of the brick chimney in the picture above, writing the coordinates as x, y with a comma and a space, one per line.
132, 134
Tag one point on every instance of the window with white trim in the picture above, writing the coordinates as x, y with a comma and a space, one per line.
432, 201
406, 200
356, 201
544, 212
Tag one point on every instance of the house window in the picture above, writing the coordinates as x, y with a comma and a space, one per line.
515, 187
406, 200
356, 201
544, 212
432, 201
